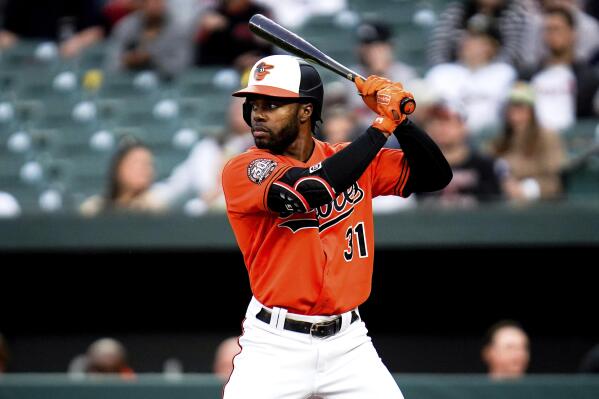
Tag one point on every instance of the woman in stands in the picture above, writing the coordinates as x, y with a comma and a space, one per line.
534, 155
131, 175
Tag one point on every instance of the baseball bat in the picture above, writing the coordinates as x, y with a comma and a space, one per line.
289, 41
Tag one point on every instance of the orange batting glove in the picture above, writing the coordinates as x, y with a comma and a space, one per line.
369, 87
388, 102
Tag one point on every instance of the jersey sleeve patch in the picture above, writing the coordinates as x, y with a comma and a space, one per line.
259, 169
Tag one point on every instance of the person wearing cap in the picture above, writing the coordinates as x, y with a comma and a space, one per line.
534, 155
301, 211
478, 80
476, 177
376, 57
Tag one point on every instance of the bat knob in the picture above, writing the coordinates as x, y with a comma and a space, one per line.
407, 106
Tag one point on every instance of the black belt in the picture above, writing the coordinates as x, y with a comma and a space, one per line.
321, 330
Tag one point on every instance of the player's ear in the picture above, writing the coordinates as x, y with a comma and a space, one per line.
305, 112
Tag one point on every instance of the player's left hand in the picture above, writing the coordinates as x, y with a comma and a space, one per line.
369, 87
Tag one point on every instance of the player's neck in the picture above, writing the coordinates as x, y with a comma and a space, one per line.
303, 146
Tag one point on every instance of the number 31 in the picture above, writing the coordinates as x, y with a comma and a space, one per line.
357, 231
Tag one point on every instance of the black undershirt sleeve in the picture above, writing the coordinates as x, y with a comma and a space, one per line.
302, 189
429, 170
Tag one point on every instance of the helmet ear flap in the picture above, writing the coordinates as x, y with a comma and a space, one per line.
247, 113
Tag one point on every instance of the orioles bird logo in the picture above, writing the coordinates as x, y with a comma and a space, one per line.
262, 70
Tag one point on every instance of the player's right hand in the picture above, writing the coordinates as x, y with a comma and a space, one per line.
369, 87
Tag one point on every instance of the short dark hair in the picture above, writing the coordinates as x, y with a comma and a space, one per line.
481, 25
564, 13
374, 31
490, 334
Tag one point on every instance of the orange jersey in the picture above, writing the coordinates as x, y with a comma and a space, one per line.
314, 263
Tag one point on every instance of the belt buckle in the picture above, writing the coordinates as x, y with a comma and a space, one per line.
315, 329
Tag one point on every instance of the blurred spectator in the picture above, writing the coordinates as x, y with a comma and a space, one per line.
374, 49
9, 207
115, 10
339, 125
223, 358
506, 350
534, 155
508, 16
475, 177
294, 13
564, 86
186, 13
107, 355
75, 24
224, 37
130, 176
149, 39
586, 26
3, 355
590, 362
477, 81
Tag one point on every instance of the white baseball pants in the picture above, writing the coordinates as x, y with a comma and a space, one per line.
279, 364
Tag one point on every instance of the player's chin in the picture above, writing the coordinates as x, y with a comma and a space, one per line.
262, 143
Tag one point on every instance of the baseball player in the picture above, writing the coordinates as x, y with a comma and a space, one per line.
301, 212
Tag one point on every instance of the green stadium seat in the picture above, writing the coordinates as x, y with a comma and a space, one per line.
166, 159
581, 136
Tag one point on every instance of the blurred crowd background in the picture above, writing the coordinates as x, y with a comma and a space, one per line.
111, 105
124, 106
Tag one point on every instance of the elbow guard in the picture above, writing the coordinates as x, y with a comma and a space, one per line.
300, 190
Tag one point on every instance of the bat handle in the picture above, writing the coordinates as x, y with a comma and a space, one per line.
407, 105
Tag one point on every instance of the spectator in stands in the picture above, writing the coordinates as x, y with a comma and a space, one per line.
376, 57
506, 350
477, 80
108, 356
534, 155
586, 27
223, 358
508, 16
590, 362
340, 125
9, 207
224, 37
131, 175
149, 39
3, 355
564, 86
75, 24
115, 10
476, 178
